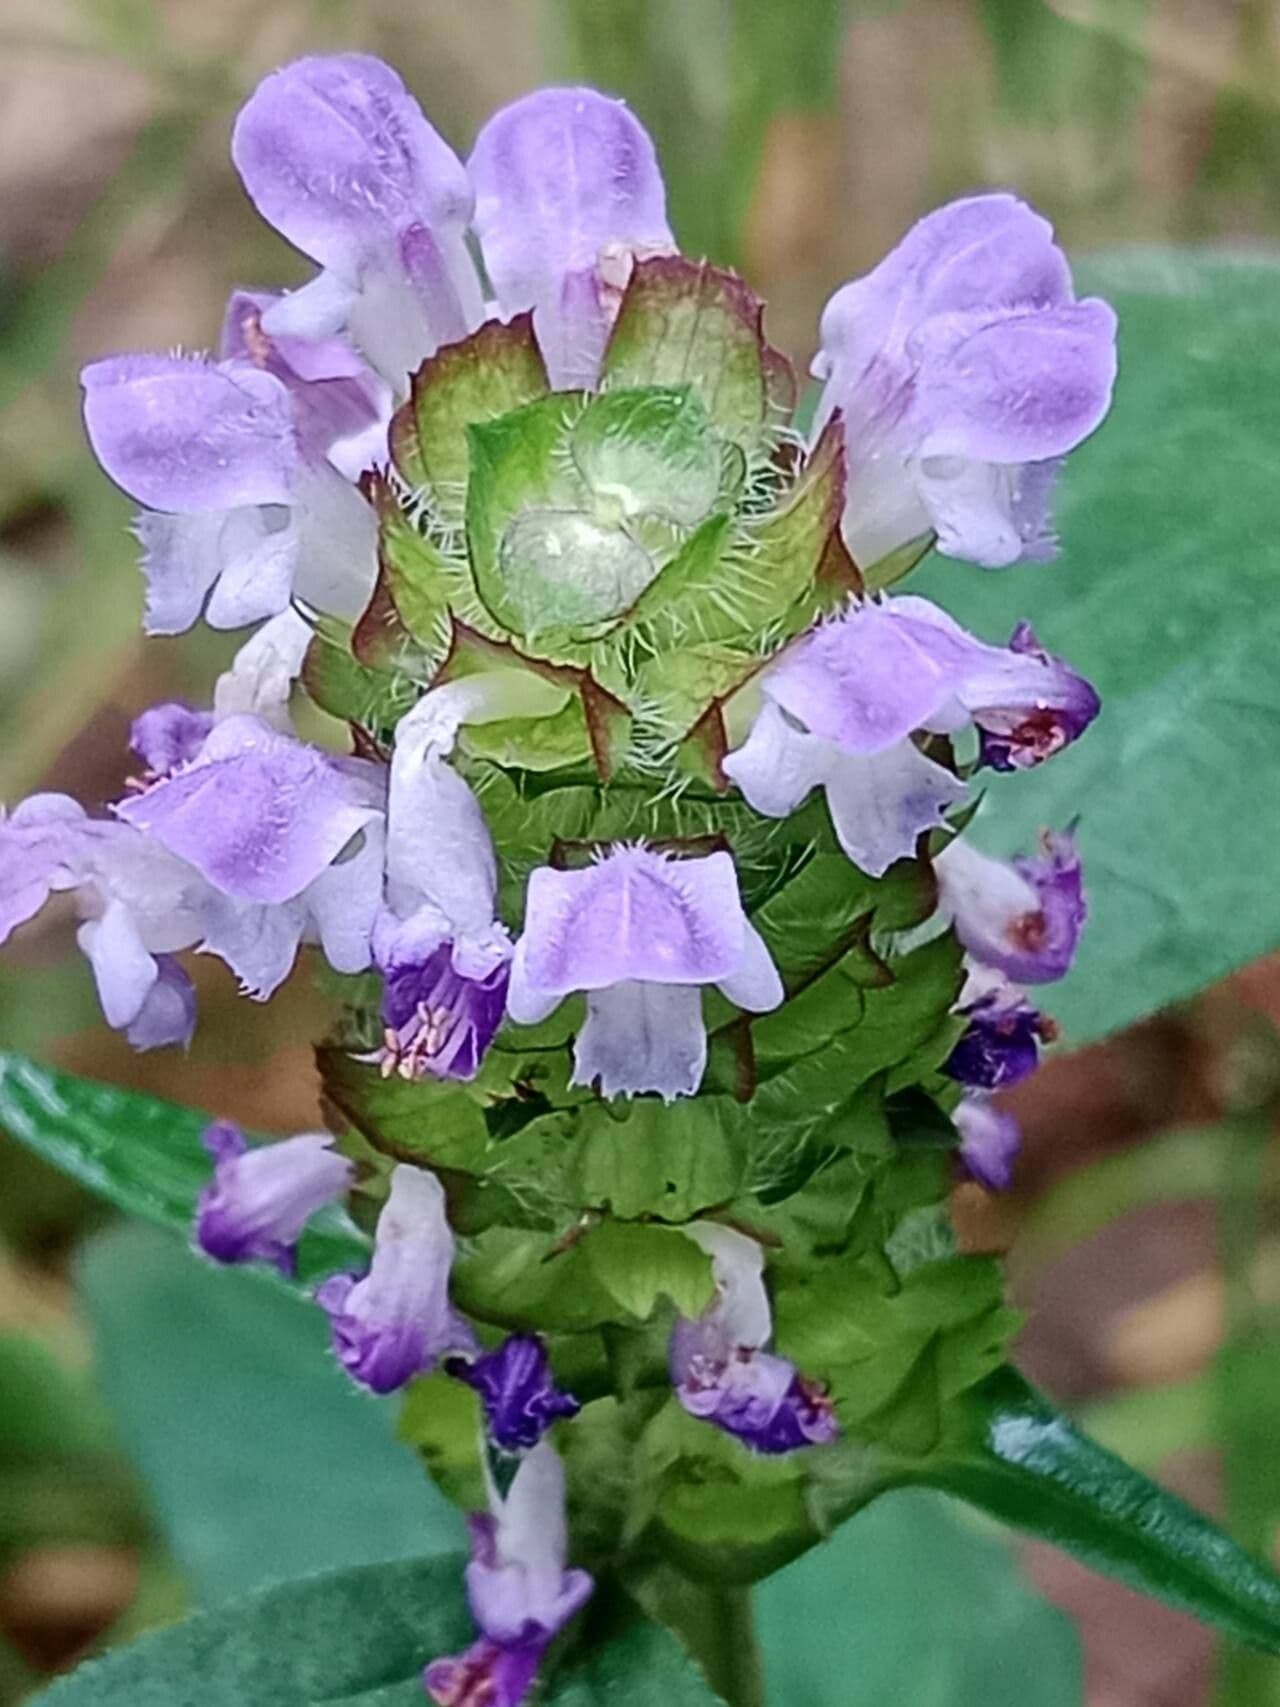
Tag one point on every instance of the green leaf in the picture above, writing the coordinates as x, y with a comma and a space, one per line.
670, 1162
495, 370
360, 1637
351, 691
261, 1459
930, 1610
685, 322
638, 1265
434, 1122
140, 1153
648, 452
1165, 597
1011, 1454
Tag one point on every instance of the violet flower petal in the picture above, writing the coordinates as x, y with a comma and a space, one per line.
521, 1400
565, 178
184, 434
262, 1196
990, 1140
1024, 917
396, 1321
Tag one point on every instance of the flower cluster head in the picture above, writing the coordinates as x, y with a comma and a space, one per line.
653, 776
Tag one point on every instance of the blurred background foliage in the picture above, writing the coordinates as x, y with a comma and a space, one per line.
165, 1439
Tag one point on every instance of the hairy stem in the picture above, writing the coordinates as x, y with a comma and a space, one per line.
716, 1624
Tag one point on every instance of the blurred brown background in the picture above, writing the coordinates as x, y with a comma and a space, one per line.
800, 138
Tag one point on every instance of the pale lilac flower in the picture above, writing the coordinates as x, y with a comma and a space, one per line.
568, 191
1022, 917
720, 1367
990, 1140
335, 153
262, 1195
289, 840
521, 1400
240, 511
443, 955
841, 705
1003, 1033
964, 369
396, 1321
641, 933
519, 1588
138, 905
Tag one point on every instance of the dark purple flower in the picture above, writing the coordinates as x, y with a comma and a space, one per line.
521, 1401
262, 1196
641, 933
1016, 733
567, 192
1001, 1042
989, 1142
964, 369
520, 1591
720, 1368
1021, 917
437, 1021
396, 1321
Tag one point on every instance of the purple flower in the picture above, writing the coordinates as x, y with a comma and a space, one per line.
337, 156
289, 839
1022, 917
341, 408
396, 1321
989, 1142
841, 705
262, 1196
520, 1592
720, 1369
239, 510
521, 1401
964, 370
1001, 1042
568, 191
168, 736
443, 956
138, 905
641, 933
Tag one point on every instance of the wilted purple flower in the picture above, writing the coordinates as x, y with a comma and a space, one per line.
841, 705
964, 369
137, 902
443, 955
568, 191
239, 510
289, 839
989, 1142
1022, 917
719, 1366
520, 1592
641, 933
337, 156
396, 1321
1001, 1041
262, 1196
520, 1398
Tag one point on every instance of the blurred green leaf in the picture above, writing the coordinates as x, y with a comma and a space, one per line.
140, 1153
1165, 596
914, 1602
360, 1637
262, 1459
1010, 1453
